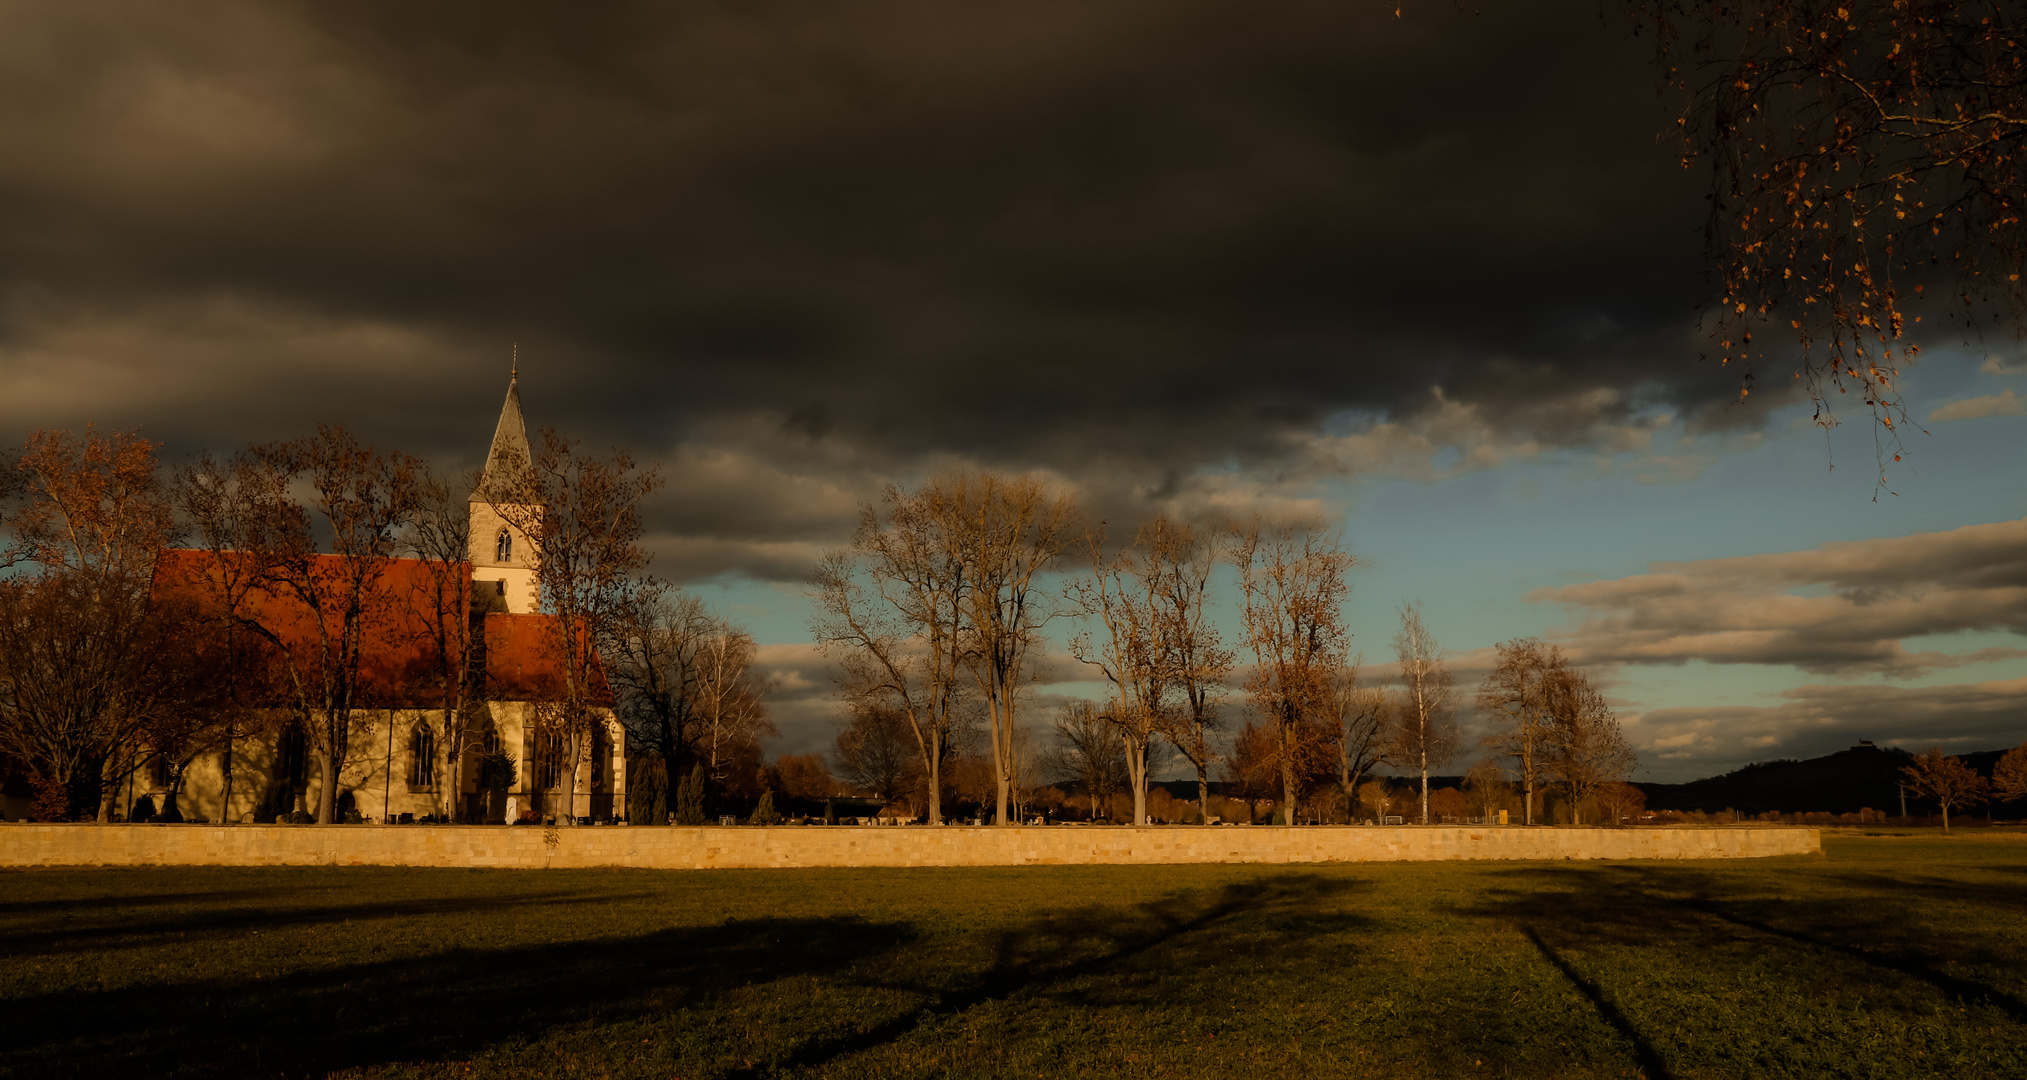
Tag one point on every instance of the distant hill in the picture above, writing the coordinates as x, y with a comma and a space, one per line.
1863, 777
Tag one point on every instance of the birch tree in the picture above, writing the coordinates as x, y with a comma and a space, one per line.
1425, 732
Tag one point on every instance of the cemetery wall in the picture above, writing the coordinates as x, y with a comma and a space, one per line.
729, 847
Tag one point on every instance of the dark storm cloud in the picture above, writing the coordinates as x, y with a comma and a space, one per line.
799, 248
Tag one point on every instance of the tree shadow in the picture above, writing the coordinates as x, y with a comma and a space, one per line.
91, 903
1927, 887
1648, 907
1651, 1064
1042, 956
235, 922
1899, 960
442, 1006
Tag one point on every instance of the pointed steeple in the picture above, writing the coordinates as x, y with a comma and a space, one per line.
509, 457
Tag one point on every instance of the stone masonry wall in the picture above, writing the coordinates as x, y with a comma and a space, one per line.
679, 848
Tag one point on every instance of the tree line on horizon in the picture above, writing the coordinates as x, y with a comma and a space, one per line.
933, 615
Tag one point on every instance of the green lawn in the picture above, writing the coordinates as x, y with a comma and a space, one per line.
1890, 956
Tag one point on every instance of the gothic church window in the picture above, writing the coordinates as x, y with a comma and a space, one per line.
421, 757
549, 751
503, 547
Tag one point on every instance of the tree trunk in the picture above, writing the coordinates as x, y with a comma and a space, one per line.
1203, 795
327, 799
1136, 775
932, 777
566, 814
1002, 767
1288, 771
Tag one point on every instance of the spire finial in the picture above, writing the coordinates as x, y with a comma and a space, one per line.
514, 372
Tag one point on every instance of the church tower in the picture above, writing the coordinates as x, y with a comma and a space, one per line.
504, 557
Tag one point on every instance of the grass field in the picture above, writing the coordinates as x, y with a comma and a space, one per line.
1889, 956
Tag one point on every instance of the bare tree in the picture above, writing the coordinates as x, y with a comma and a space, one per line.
1292, 582
1587, 749
1947, 781
1088, 752
1376, 796
439, 535
1487, 787
581, 512
1425, 733
1010, 530
1515, 696
1198, 663
359, 499
732, 709
227, 505
1123, 595
82, 664
874, 752
1862, 155
892, 619
938, 584
2009, 776
1359, 715
657, 671
1621, 800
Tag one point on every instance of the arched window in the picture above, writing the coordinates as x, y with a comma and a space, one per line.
549, 752
421, 757
503, 547
601, 757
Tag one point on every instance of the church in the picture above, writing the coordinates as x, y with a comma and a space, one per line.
394, 768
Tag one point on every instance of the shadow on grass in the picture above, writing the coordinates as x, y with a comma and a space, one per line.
1652, 1067
92, 903
427, 1008
1657, 907
1933, 887
235, 922
1051, 952
1900, 960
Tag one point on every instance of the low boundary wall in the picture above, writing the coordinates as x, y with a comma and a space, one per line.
719, 847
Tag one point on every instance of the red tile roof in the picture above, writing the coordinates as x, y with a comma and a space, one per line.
397, 665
